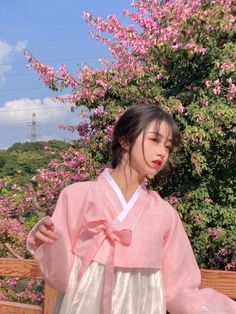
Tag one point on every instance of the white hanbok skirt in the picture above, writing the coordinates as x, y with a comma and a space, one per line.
136, 291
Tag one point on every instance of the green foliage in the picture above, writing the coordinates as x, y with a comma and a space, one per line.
31, 221
22, 160
210, 227
38, 146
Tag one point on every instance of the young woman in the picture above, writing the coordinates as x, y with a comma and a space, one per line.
112, 246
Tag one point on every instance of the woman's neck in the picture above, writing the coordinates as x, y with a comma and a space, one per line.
127, 179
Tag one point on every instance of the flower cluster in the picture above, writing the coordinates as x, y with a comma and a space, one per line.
22, 291
46, 73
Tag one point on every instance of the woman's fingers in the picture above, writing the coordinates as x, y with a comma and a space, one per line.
48, 223
45, 233
41, 238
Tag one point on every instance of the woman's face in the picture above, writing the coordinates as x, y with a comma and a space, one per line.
151, 150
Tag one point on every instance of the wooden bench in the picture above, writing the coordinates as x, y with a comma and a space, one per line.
25, 269
221, 281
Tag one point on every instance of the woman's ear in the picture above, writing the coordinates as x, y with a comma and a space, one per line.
123, 143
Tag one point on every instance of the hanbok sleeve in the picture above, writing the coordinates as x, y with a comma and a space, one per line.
56, 259
182, 276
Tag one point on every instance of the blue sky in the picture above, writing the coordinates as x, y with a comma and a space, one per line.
56, 33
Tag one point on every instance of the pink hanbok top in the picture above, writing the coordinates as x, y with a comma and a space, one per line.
119, 257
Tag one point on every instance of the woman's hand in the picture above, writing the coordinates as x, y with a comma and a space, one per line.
44, 234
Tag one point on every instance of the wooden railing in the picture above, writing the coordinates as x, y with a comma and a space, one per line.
24, 269
222, 281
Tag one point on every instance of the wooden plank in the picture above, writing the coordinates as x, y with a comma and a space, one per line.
19, 308
22, 268
220, 280
50, 299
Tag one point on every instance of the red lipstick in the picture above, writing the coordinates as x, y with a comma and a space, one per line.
157, 164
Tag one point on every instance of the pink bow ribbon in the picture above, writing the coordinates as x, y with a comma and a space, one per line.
101, 230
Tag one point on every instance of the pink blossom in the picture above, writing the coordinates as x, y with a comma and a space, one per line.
224, 251
98, 111
46, 73
198, 218
208, 83
226, 66
231, 266
199, 119
108, 132
86, 15
67, 127
216, 91
179, 108
217, 83
99, 92
67, 78
229, 97
3, 297
207, 200
83, 129
233, 89
215, 233
13, 227
11, 282
195, 47
101, 83
173, 200
177, 46
103, 61
202, 50
160, 76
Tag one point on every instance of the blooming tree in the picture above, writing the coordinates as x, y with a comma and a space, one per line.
180, 55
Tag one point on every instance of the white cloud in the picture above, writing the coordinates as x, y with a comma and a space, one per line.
21, 110
44, 138
20, 46
5, 66
7, 51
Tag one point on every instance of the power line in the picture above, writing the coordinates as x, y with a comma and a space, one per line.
55, 123
56, 60
30, 109
20, 89
25, 88
19, 74
29, 74
15, 120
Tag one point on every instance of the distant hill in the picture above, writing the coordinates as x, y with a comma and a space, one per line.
38, 146
21, 160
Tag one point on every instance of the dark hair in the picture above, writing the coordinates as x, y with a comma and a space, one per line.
135, 120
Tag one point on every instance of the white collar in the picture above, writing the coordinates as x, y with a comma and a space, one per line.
125, 205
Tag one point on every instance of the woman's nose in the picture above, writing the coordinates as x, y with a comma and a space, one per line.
161, 150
